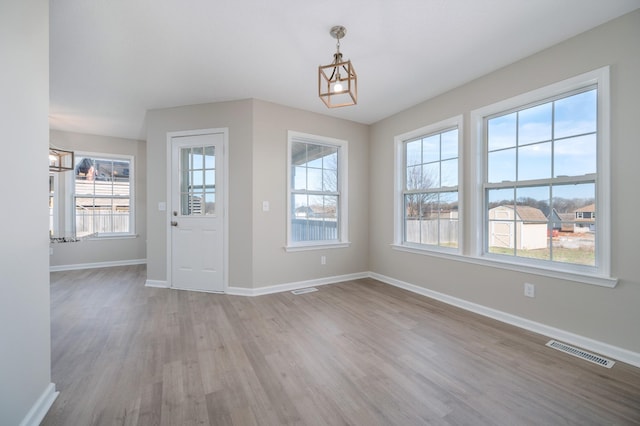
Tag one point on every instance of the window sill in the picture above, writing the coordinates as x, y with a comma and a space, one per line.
63, 240
322, 246
110, 237
591, 279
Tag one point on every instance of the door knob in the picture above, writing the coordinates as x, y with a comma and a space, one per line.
174, 223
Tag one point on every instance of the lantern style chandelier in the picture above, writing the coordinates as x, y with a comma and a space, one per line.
337, 82
60, 160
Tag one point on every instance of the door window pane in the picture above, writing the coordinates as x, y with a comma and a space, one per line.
197, 180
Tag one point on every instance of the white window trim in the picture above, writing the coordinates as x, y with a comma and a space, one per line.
343, 225
132, 203
398, 201
55, 216
600, 275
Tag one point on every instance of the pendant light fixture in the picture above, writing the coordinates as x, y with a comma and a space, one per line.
337, 82
60, 160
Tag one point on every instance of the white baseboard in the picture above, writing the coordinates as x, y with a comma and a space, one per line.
37, 412
241, 291
94, 265
156, 284
617, 353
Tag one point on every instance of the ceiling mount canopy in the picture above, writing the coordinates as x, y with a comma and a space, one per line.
337, 82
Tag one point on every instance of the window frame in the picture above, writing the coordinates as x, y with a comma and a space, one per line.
132, 214
600, 274
342, 217
400, 161
54, 204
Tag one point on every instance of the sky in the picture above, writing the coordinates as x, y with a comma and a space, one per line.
545, 141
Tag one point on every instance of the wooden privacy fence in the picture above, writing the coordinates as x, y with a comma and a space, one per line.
427, 231
90, 222
314, 230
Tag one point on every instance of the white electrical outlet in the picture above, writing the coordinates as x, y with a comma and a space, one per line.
323, 260
529, 290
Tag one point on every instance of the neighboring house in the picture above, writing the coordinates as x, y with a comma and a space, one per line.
585, 219
314, 223
318, 212
579, 221
304, 212
523, 228
561, 221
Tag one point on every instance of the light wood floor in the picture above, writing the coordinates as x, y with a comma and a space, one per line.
357, 353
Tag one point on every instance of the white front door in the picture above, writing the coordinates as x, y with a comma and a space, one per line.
197, 212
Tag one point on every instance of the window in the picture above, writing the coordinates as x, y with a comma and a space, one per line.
544, 168
316, 191
539, 184
102, 195
198, 181
541, 159
427, 172
53, 196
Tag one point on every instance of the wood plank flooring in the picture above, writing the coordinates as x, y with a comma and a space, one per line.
354, 353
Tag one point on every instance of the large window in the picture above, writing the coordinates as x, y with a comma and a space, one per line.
537, 184
430, 213
544, 176
102, 195
541, 179
317, 191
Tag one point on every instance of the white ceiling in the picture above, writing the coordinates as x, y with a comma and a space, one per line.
111, 60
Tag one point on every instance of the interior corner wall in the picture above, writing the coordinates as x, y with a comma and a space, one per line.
25, 343
272, 265
603, 314
93, 252
257, 173
235, 116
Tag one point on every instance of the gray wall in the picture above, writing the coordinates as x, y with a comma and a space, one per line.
237, 117
271, 264
107, 250
25, 347
607, 315
257, 173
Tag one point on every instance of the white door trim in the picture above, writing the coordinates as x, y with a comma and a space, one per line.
225, 217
